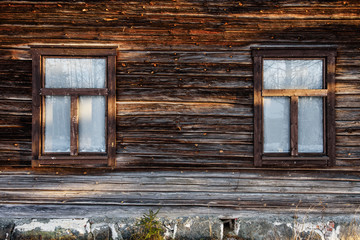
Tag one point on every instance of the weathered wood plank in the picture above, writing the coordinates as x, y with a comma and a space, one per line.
347, 114
180, 81
235, 96
208, 149
181, 57
187, 137
170, 108
64, 210
234, 185
262, 190
229, 69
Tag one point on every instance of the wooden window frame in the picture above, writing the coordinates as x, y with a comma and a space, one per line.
327, 158
39, 158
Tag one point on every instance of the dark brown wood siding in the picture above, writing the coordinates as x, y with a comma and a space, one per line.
184, 72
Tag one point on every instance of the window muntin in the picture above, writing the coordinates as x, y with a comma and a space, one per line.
294, 99
74, 105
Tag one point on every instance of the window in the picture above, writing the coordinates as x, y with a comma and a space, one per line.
73, 105
294, 99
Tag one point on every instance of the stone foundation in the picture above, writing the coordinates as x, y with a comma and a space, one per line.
264, 227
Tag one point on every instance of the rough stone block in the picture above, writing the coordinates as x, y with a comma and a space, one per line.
47, 229
102, 232
255, 227
199, 228
126, 226
170, 228
263, 230
6, 227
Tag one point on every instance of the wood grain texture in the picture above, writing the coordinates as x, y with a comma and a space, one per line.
258, 106
111, 112
294, 109
74, 125
184, 77
185, 103
260, 190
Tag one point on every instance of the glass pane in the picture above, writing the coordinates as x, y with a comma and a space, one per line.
75, 72
276, 124
57, 124
310, 124
92, 124
293, 74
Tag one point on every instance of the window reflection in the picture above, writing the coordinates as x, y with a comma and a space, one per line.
75, 72
293, 74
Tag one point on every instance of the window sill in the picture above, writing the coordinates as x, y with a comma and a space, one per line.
71, 160
295, 161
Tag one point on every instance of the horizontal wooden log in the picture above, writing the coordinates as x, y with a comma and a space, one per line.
185, 136
15, 107
347, 140
166, 8
183, 81
219, 149
24, 162
348, 153
249, 200
348, 87
65, 210
348, 101
19, 94
348, 131
15, 146
176, 162
241, 96
347, 114
15, 133
181, 57
13, 121
231, 70
265, 190
170, 108
347, 124
234, 185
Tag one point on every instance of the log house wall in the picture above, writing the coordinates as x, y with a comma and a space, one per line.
184, 85
184, 72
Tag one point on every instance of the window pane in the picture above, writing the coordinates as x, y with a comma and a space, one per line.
92, 124
293, 74
276, 124
57, 124
310, 123
75, 72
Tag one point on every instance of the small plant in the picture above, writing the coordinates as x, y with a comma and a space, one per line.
148, 227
